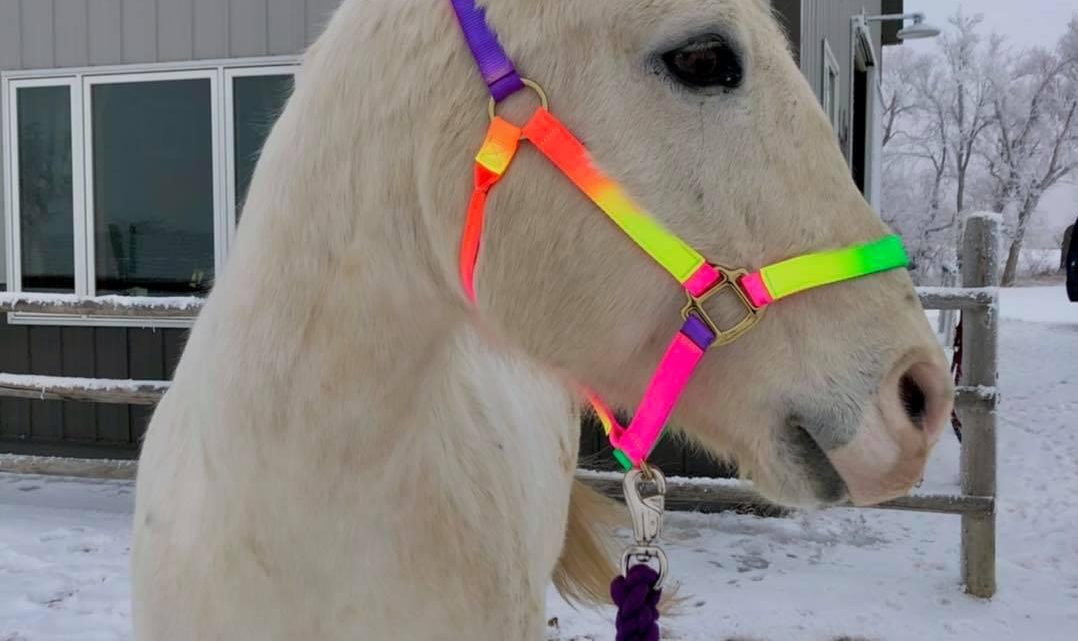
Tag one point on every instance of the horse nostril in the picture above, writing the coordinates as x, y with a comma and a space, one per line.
913, 400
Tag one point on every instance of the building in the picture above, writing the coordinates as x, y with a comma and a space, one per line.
129, 132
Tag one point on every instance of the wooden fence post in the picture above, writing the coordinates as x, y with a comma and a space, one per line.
980, 268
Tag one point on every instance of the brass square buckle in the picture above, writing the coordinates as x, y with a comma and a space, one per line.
730, 281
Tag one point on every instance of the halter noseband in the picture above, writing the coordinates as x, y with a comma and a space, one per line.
700, 279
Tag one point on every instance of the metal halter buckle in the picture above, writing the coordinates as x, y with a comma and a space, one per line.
647, 516
492, 105
731, 280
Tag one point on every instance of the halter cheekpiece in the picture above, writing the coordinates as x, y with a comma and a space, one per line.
699, 278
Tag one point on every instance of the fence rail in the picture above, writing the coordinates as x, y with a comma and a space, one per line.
976, 400
146, 307
95, 390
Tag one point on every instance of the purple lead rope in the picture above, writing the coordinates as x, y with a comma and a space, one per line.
494, 65
638, 604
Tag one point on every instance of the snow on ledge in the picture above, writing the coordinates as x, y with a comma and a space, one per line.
703, 482
986, 215
964, 293
180, 303
46, 383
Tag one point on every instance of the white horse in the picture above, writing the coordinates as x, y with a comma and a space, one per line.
350, 450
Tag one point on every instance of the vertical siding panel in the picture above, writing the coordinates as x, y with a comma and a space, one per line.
46, 357
38, 36
788, 14
247, 28
318, 14
10, 35
211, 29
139, 31
146, 358
110, 361
287, 27
78, 360
106, 32
14, 359
175, 341
818, 35
589, 442
72, 33
175, 30
813, 47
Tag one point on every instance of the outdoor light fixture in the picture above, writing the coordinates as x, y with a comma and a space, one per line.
919, 29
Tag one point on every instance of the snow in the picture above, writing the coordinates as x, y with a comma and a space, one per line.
45, 383
972, 294
194, 303
988, 216
877, 575
1039, 305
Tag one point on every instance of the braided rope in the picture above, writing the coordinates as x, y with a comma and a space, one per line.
638, 604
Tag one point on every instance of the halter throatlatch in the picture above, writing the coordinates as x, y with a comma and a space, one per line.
699, 278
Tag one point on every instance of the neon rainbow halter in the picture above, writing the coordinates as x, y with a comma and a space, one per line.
700, 279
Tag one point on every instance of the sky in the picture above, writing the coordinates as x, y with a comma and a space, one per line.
1026, 23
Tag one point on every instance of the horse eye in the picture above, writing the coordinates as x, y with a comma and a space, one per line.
705, 62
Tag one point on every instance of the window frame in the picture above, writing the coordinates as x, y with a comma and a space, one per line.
831, 79
220, 236
80, 81
12, 178
865, 59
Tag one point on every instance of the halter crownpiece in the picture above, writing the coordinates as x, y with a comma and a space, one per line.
699, 278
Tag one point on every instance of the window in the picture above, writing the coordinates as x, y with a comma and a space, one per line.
255, 97
829, 87
151, 169
45, 189
131, 183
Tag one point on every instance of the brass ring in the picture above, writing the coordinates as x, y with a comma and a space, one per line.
534, 86
645, 471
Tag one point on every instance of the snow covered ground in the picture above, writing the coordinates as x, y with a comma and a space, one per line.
880, 576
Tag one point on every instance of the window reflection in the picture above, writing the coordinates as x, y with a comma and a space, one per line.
153, 192
47, 237
257, 101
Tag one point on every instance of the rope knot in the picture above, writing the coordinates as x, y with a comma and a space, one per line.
638, 604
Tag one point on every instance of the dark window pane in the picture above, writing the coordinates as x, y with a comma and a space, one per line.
153, 187
46, 198
257, 101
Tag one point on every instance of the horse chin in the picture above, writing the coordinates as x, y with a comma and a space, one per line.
797, 473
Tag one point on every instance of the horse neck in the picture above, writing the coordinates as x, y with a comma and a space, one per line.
349, 274
372, 351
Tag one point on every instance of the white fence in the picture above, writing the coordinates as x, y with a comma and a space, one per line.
976, 399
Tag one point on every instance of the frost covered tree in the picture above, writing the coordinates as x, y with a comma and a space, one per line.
1034, 135
975, 125
969, 91
936, 110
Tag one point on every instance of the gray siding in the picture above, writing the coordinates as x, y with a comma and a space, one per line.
830, 20
49, 34
45, 34
788, 13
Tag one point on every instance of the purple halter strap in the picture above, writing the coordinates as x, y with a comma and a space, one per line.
494, 65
